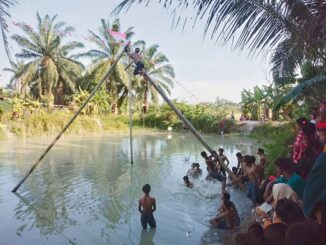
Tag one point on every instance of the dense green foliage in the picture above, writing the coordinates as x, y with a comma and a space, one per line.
205, 117
27, 117
275, 139
260, 103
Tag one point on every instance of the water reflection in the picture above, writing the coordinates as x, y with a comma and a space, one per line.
85, 191
147, 237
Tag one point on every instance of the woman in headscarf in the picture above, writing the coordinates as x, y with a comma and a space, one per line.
281, 191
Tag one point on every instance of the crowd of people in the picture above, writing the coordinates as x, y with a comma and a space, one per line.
290, 207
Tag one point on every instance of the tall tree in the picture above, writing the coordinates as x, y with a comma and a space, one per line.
51, 68
103, 57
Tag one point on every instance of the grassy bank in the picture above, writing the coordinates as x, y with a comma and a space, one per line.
274, 138
51, 123
31, 119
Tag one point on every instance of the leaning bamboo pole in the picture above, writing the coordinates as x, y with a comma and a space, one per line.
130, 117
72, 119
187, 123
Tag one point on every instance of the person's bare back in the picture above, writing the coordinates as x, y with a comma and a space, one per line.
147, 206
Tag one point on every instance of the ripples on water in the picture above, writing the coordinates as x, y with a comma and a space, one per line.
86, 192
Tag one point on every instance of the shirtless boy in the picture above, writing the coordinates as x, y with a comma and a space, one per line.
255, 176
262, 158
224, 159
146, 207
228, 219
240, 166
138, 59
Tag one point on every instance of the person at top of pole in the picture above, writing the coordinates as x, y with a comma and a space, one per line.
137, 57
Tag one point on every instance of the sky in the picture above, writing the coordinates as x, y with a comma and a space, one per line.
204, 70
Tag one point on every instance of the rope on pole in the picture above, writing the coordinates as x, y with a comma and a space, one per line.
72, 119
187, 123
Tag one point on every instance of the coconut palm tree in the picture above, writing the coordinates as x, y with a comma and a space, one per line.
51, 69
103, 57
18, 76
4, 6
158, 67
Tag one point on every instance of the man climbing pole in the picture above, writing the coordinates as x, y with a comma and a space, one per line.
137, 57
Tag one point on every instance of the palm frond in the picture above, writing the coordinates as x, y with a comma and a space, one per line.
92, 54
4, 13
299, 89
256, 24
71, 46
150, 51
287, 57
99, 42
25, 43
26, 54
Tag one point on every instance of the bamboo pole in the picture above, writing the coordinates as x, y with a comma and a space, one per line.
188, 124
130, 117
72, 119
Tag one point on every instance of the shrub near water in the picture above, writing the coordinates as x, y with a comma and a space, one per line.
205, 118
276, 140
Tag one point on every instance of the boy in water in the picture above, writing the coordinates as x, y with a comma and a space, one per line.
255, 175
146, 207
240, 166
228, 219
226, 197
187, 182
223, 158
138, 59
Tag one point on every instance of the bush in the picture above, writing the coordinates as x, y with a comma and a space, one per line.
276, 139
204, 117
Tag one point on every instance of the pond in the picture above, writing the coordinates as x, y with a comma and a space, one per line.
86, 192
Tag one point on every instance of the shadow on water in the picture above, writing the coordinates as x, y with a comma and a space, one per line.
37, 213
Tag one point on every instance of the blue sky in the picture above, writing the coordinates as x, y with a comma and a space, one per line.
206, 70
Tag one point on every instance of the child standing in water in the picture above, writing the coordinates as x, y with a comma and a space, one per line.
146, 207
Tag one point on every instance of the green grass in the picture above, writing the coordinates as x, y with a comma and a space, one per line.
50, 123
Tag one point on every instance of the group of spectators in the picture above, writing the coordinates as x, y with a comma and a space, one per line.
291, 206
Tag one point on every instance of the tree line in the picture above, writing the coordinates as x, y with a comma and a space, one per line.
49, 67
